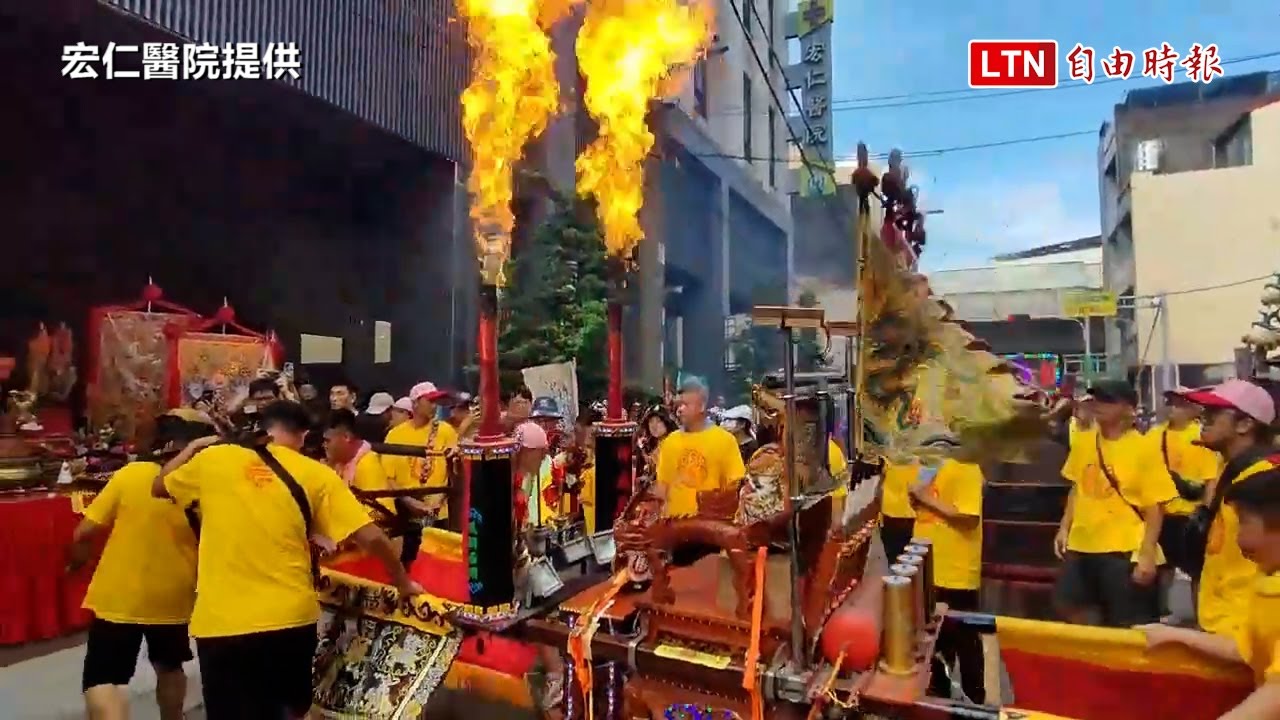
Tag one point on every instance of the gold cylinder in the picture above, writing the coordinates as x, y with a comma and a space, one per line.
898, 655
915, 573
924, 548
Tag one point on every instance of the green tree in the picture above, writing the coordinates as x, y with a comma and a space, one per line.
554, 305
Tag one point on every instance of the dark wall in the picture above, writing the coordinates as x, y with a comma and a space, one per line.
757, 259
1038, 335
303, 219
690, 226
824, 243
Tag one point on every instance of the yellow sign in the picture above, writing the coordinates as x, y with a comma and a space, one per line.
1089, 303
697, 657
813, 14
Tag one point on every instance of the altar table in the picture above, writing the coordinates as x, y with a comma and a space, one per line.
38, 599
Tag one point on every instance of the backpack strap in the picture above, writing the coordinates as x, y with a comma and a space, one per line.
1115, 484
299, 497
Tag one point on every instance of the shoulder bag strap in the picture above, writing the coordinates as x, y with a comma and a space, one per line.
1232, 470
1115, 484
299, 497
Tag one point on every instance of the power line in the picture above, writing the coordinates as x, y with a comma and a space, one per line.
935, 97
933, 152
1209, 288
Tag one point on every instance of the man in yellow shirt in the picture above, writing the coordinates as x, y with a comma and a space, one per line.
424, 429
897, 517
144, 584
255, 611
1237, 423
1255, 502
700, 457
949, 514
1191, 465
1109, 534
356, 463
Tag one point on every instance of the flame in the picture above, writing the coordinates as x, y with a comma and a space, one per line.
511, 98
627, 50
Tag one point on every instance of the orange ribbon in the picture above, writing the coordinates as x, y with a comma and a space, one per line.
582, 634
753, 650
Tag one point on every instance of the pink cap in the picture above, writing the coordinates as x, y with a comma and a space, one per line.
530, 435
426, 390
1239, 395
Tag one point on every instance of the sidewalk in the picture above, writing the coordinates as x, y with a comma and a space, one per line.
48, 688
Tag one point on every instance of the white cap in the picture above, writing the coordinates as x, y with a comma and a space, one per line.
379, 403
739, 412
427, 390
404, 404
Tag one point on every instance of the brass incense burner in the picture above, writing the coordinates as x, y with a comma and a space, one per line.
21, 463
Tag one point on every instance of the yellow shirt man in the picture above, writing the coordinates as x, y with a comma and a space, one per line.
895, 499
412, 472
370, 476
1192, 462
255, 563
1228, 576
1103, 521
957, 544
1258, 637
147, 573
694, 462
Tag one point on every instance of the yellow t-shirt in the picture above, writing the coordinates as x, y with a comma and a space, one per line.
587, 496
371, 477
255, 562
408, 472
838, 465
1258, 636
1103, 521
694, 462
1228, 576
957, 549
895, 501
147, 573
1075, 432
1193, 462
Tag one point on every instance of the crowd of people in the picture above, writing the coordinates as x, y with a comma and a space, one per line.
213, 535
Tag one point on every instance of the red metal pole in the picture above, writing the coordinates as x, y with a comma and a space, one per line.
490, 408
616, 410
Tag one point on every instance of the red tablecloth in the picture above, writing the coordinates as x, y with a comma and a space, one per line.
38, 599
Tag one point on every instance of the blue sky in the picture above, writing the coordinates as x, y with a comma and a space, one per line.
1004, 199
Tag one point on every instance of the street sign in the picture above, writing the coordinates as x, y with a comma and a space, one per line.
812, 75
1089, 303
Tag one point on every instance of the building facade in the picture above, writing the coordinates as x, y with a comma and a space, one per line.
717, 219
1185, 173
326, 205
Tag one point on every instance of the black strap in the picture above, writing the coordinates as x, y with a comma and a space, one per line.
1115, 485
1234, 467
193, 519
299, 496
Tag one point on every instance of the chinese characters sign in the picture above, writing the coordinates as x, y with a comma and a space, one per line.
1201, 63
186, 61
812, 76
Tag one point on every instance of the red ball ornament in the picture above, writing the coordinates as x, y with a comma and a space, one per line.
856, 632
225, 315
152, 293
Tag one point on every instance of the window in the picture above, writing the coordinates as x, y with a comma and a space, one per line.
773, 147
748, 16
746, 117
700, 87
1234, 147
768, 22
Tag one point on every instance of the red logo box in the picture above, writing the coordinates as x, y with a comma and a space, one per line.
1013, 63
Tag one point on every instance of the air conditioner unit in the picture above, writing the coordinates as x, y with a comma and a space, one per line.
1147, 156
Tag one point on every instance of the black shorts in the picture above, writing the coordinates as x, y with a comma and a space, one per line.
895, 536
111, 653
1173, 533
1105, 581
261, 676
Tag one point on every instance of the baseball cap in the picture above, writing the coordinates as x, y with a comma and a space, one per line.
1114, 391
1241, 395
379, 403
404, 404
545, 407
426, 390
529, 435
